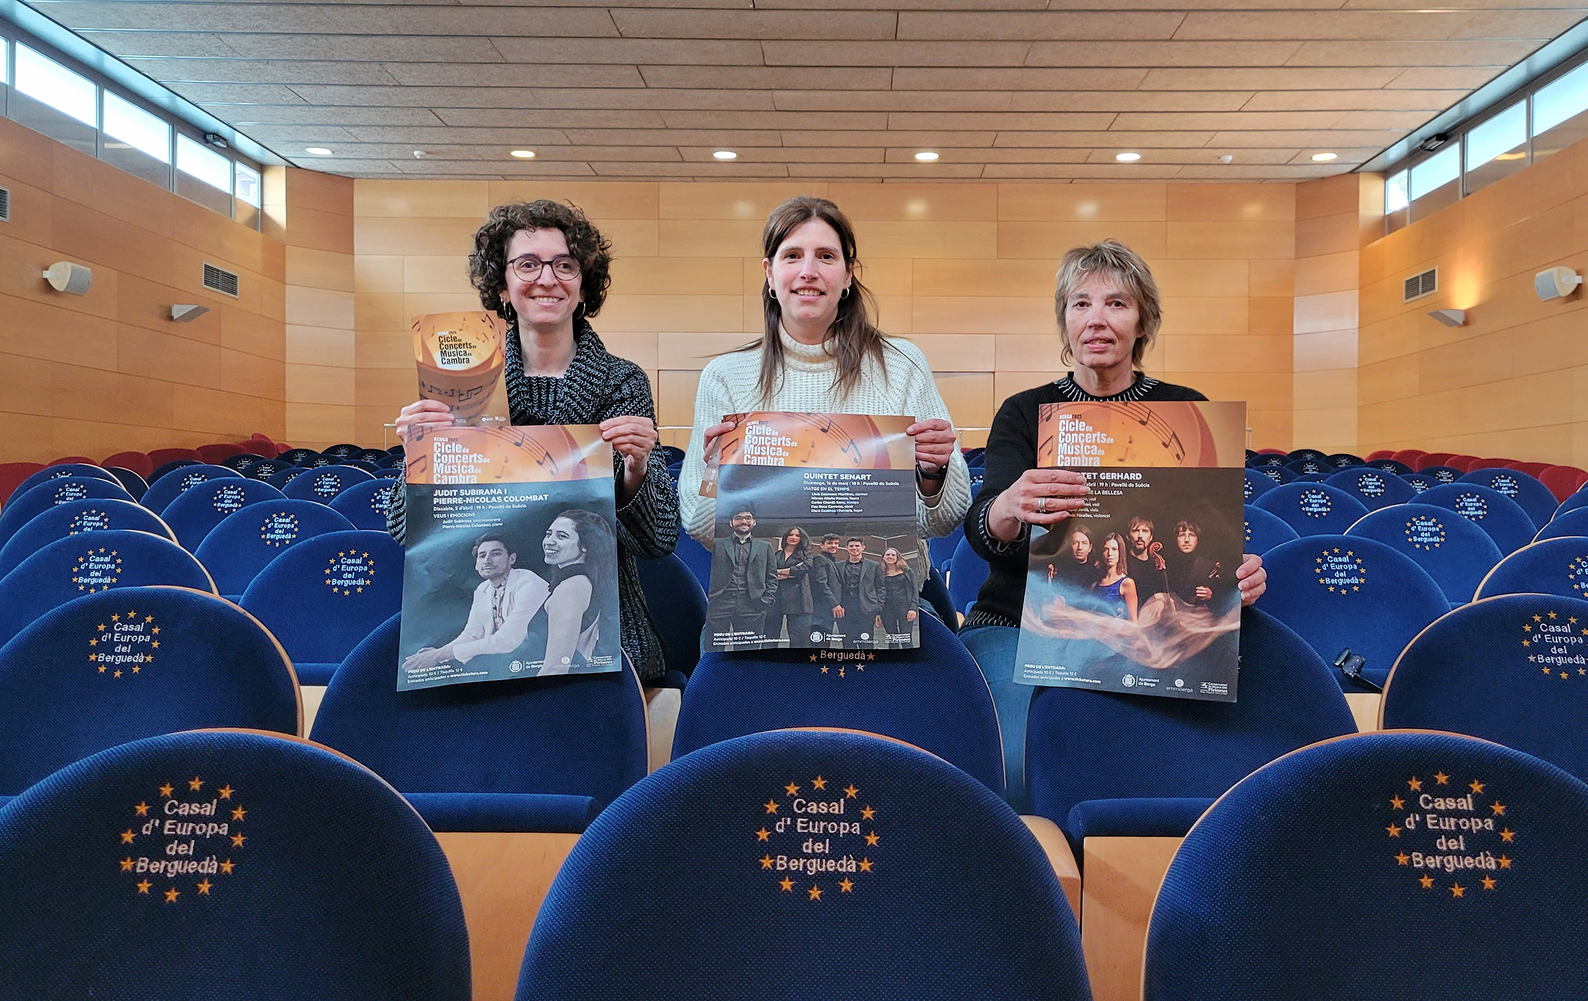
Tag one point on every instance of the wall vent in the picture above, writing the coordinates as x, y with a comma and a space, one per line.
5, 204
1418, 286
220, 280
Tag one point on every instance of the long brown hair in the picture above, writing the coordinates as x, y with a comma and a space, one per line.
852, 337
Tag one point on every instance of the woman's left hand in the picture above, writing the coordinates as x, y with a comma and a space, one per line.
1252, 578
934, 443
631, 437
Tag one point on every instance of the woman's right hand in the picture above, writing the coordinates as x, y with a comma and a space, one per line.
418, 417
1038, 497
712, 434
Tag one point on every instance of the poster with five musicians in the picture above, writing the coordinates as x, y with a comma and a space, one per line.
1136, 592
816, 543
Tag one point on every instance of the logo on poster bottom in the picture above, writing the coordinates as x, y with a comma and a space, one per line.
1129, 681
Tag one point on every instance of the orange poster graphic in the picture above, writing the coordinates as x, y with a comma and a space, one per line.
1202, 434
533, 454
461, 358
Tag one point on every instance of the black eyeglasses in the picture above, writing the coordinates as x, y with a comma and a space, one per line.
530, 268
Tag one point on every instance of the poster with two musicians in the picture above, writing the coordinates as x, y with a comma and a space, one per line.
511, 553
815, 543
1136, 592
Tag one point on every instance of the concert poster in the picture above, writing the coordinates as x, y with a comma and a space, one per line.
511, 556
1136, 592
461, 359
816, 543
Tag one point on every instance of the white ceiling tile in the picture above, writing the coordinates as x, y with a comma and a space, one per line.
657, 99
869, 121
921, 140
1336, 137
998, 121
1539, 24
508, 75
424, 137
1457, 77
130, 44
761, 24
366, 48
236, 93
891, 100
159, 15
1267, 78
790, 154
1036, 78
1129, 100
554, 22
1236, 172
1214, 121
1349, 100
633, 51
716, 138
1171, 53
769, 77
1113, 141
1498, 53
1068, 23
562, 119
1086, 171
954, 154
911, 172
853, 53
288, 71
719, 172
1316, 24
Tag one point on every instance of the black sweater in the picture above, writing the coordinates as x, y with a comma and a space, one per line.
1011, 450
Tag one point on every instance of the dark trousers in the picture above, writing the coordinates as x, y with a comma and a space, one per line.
799, 628
735, 612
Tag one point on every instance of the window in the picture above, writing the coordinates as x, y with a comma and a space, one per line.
1497, 148
50, 83
136, 128
203, 175
1397, 205
1560, 100
246, 187
1434, 173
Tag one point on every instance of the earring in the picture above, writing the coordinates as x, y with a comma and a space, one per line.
507, 312
845, 293
579, 310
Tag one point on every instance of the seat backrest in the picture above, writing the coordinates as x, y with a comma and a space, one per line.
1455, 552
345, 450
1419, 483
1563, 481
575, 735
1371, 867
1341, 460
167, 488
1503, 518
1341, 592
1264, 531
323, 596
324, 484
1276, 473
161, 456
1442, 473
1305, 454
1083, 745
203, 506
695, 556
1553, 566
1571, 503
1533, 496
298, 456
1510, 669
933, 697
266, 469
365, 504
134, 484
1390, 465
61, 472
242, 461
25, 506
1571, 523
1256, 484
246, 540
1375, 488
218, 451
285, 873
942, 547
112, 667
138, 462
283, 475
678, 609
73, 518
967, 574
1304, 467
80, 565
1312, 508
871, 868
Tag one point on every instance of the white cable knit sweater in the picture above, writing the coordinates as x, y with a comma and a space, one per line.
902, 386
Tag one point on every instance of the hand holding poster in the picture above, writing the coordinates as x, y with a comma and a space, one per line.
1136, 592
511, 566
814, 535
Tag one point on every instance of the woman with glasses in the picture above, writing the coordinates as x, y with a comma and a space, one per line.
544, 268
820, 353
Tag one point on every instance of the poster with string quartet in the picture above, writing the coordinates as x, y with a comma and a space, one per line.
1136, 592
815, 543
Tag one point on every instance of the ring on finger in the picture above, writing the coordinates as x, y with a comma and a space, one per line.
1042, 505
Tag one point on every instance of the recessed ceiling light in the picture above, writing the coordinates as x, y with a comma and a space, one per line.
725, 154
318, 151
1127, 157
926, 154
1320, 157
523, 154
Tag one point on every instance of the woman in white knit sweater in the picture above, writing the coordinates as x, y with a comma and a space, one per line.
820, 353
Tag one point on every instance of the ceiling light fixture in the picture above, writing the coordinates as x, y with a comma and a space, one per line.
318, 151
726, 154
1227, 158
1127, 157
1450, 317
926, 156
523, 154
1321, 157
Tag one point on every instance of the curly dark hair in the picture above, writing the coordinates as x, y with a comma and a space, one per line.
488, 262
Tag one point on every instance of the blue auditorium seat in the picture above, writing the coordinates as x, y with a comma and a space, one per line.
365, 504
344, 451
1572, 503
695, 556
1304, 454
1340, 592
265, 469
1256, 484
140, 661
966, 576
1318, 877
1279, 474
130, 481
196, 511
24, 507
942, 548
1306, 467
242, 461
1311, 477
934, 592
311, 878
1534, 497
1373, 487
284, 475
538, 754
73, 518
1312, 508
248, 539
1391, 466
1503, 518
60, 472
168, 488
1418, 482
80, 565
931, 888
1443, 474
1572, 523
1510, 669
324, 595
933, 697
1264, 531
364, 464
1455, 552
1342, 460
678, 608
323, 485
298, 456
165, 468
1264, 460
672, 453
1103, 764
1554, 566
